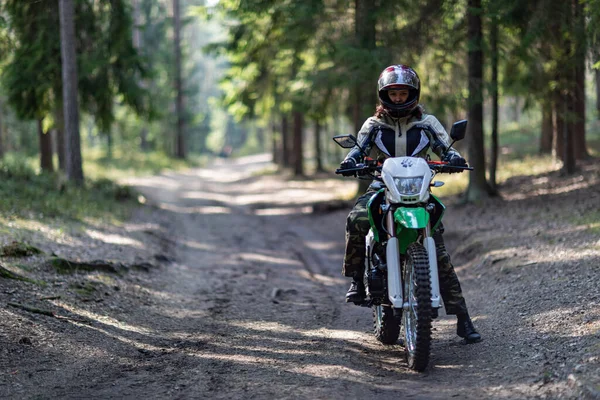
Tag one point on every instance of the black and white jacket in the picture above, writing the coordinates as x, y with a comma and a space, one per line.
395, 137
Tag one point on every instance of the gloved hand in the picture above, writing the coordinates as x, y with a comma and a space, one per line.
454, 160
346, 164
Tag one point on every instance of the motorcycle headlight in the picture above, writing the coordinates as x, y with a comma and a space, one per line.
409, 186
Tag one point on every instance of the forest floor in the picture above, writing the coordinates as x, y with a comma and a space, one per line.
227, 285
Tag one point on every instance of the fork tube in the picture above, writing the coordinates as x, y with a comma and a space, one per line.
389, 221
433, 267
392, 252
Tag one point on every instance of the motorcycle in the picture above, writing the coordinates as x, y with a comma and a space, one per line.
401, 272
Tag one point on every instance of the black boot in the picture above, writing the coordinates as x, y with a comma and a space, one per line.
465, 329
356, 292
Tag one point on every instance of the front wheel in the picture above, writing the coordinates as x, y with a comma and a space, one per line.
416, 318
385, 325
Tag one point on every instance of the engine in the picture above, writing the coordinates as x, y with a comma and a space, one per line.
376, 277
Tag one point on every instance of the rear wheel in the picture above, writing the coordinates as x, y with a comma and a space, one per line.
416, 318
385, 325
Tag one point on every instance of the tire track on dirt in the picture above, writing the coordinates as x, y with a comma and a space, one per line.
312, 263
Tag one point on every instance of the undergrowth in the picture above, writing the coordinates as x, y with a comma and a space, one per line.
124, 163
27, 194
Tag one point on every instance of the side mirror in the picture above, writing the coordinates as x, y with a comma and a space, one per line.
459, 129
345, 141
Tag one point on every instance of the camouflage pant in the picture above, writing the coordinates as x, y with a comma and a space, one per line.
357, 227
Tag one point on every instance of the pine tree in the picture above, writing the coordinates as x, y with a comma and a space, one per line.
70, 85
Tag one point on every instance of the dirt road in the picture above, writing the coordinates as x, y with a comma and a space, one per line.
248, 303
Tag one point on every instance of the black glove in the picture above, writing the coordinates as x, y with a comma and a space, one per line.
455, 160
347, 164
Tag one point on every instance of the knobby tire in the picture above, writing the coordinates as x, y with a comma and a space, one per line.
385, 325
417, 353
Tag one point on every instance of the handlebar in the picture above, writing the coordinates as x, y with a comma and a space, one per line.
439, 166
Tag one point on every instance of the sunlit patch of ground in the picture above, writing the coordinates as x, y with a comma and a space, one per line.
112, 238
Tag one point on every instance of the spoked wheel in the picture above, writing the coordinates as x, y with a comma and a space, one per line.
385, 325
416, 318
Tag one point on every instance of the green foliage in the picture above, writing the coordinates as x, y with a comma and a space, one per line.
109, 67
27, 194
33, 71
273, 49
592, 10
8, 274
19, 249
307, 53
200, 74
590, 221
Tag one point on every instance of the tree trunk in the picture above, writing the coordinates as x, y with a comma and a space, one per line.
74, 170
2, 149
597, 76
261, 138
180, 134
579, 142
494, 89
109, 145
137, 22
318, 150
45, 148
579, 25
546, 133
276, 144
565, 100
298, 153
478, 186
144, 145
568, 145
285, 142
557, 125
59, 128
364, 98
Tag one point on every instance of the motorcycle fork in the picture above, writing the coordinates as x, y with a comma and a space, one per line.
392, 253
429, 245
395, 287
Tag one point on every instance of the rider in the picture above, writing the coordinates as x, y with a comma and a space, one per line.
401, 128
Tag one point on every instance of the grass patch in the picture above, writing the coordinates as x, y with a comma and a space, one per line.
531, 165
8, 274
19, 249
591, 221
29, 195
516, 141
84, 289
124, 164
267, 171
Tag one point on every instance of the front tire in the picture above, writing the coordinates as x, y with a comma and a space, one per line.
385, 325
416, 318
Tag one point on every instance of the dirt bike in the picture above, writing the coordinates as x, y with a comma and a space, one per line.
401, 273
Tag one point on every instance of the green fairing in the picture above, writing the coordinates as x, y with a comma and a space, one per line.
439, 220
412, 218
370, 213
408, 221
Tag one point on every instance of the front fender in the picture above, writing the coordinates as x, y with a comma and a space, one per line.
412, 218
408, 223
